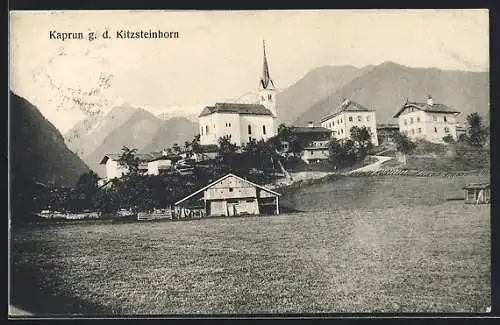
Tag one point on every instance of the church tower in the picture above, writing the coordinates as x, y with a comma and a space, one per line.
267, 90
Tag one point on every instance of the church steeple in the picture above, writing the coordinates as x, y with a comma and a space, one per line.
265, 80
267, 90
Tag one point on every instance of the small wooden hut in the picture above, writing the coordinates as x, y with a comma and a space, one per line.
477, 193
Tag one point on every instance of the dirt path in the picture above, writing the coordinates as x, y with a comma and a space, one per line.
375, 166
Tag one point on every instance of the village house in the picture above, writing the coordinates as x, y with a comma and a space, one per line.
307, 135
386, 132
230, 195
427, 120
348, 115
150, 164
242, 122
316, 151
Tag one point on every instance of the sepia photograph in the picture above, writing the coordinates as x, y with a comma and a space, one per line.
249, 162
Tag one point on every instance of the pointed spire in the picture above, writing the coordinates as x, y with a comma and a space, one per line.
265, 79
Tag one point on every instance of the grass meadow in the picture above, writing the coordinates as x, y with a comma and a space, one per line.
361, 244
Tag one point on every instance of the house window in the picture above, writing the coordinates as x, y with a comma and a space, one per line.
446, 130
368, 118
435, 129
229, 124
249, 129
350, 118
434, 118
444, 118
340, 120
341, 131
262, 98
263, 129
270, 97
418, 119
411, 120
230, 189
359, 118
419, 130
311, 152
206, 129
406, 122
412, 131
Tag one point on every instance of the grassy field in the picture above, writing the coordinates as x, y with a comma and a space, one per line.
388, 244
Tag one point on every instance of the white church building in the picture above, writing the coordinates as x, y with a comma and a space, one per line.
242, 122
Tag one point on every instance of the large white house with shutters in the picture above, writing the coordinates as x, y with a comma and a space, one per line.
348, 115
427, 120
242, 122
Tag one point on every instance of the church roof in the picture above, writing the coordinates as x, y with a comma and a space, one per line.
434, 108
347, 106
236, 108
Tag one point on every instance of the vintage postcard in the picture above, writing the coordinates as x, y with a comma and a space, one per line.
249, 162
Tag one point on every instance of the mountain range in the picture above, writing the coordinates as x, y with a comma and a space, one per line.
386, 87
129, 126
319, 92
37, 149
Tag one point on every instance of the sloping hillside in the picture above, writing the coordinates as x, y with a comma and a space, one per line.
37, 148
387, 86
88, 134
316, 85
175, 130
136, 132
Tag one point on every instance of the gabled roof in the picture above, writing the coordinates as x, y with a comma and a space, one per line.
309, 129
434, 108
477, 186
236, 108
387, 126
221, 179
347, 106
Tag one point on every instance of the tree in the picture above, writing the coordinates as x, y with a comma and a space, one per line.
129, 160
476, 130
363, 140
195, 144
226, 146
176, 148
448, 139
404, 145
341, 153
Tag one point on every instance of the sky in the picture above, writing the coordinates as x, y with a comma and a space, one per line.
218, 55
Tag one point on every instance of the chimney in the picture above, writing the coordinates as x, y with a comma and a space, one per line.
311, 124
429, 100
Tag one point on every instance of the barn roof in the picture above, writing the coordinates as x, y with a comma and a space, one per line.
477, 186
221, 179
434, 108
347, 106
236, 108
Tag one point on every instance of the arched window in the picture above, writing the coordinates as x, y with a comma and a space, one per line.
270, 97
249, 129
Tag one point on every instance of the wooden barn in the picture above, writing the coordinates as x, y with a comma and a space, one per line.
477, 193
230, 195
